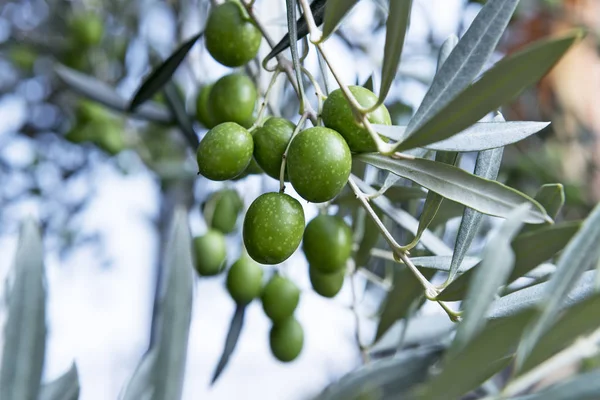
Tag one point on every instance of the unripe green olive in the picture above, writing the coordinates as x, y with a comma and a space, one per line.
244, 280
109, 136
224, 152
231, 37
210, 253
86, 29
318, 164
221, 210
286, 340
327, 243
273, 227
270, 142
337, 115
327, 285
202, 111
233, 99
280, 298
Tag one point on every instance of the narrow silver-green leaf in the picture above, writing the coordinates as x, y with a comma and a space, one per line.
396, 27
317, 8
579, 254
552, 197
405, 220
497, 86
487, 166
443, 263
433, 200
531, 296
486, 196
465, 62
162, 74
176, 312
100, 92
335, 11
488, 353
477, 137
370, 236
385, 379
141, 384
405, 291
496, 264
65, 387
290, 6
531, 249
233, 335
585, 386
578, 320
25, 327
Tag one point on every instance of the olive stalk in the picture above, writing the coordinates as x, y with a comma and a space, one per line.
284, 156
265, 101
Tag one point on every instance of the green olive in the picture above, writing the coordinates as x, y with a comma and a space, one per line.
233, 99
327, 243
86, 28
273, 227
231, 37
318, 164
244, 280
221, 210
210, 251
202, 113
224, 152
286, 340
327, 285
337, 115
270, 142
280, 297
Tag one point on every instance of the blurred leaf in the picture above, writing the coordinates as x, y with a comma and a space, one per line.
531, 249
162, 74
483, 195
464, 63
433, 200
140, 385
100, 92
496, 264
25, 327
65, 387
233, 335
175, 312
580, 319
405, 220
369, 83
385, 379
399, 194
487, 166
497, 86
579, 254
552, 198
335, 11
531, 296
581, 387
488, 353
405, 291
396, 27
177, 107
368, 240
477, 137
317, 8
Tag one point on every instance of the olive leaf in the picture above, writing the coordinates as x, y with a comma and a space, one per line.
585, 386
233, 335
317, 7
100, 92
162, 74
465, 62
291, 18
177, 107
479, 136
499, 85
25, 329
486, 196
335, 11
65, 387
396, 27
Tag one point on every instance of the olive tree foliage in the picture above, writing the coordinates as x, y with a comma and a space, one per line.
528, 299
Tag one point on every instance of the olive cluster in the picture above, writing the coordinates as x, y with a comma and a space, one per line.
317, 164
